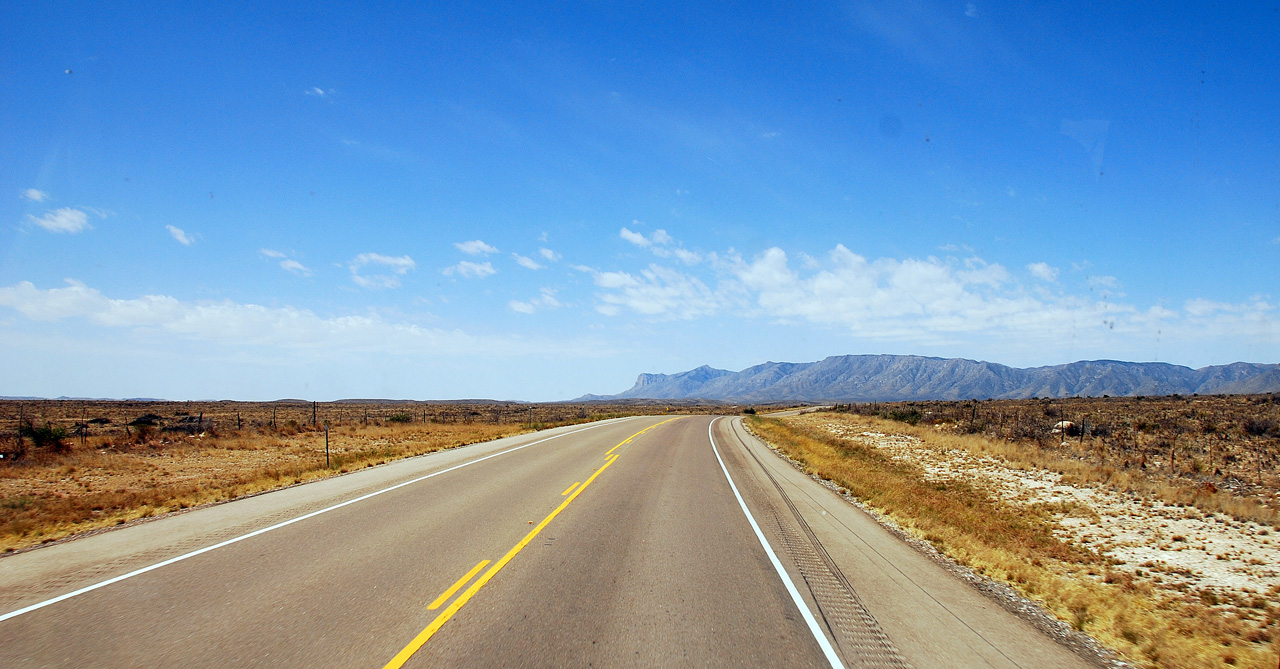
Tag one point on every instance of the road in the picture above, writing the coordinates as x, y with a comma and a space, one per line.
633, 542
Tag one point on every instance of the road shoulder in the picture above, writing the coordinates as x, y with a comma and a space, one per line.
933, 611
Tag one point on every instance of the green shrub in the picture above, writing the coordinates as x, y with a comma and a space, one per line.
908, 416
50, 436
402, 417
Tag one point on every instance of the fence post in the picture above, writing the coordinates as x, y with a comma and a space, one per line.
326, 445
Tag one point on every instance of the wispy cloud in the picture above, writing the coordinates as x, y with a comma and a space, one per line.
658, 238
180, 236
475, 247
286, 263
656, 291
296, 267
546, 299
686, 257
1092, 135
552, 256
930, 302
276, 330
63, 221
971, 10
35, 195
317, 92
527, 263
660, 244
398, 266
1042, 270
470, 270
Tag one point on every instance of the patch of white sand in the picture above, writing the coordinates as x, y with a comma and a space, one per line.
1181, 546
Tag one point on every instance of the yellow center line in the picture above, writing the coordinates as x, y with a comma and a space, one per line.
628, 439
444, 616
444, 596
570, 488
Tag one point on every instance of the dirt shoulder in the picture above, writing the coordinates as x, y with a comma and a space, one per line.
1161, 584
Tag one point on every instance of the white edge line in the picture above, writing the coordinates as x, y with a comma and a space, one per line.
228, 542
827, 649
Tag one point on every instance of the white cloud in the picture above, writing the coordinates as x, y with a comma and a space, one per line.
884, 297
550, 255
317, 92
687, 257
470, 270
398, 266
528, 263
475, 247
295, 267
634, 237
1042, 270
546, 299
281, 330
180, 236
658, 243
65, 220
939, 305
971, 10
656, 291
521, 307
35, 195
286, 263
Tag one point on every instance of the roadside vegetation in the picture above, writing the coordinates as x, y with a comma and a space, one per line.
1218, 452
1143, 612
69, 466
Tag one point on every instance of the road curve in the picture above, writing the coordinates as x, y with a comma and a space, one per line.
632, 542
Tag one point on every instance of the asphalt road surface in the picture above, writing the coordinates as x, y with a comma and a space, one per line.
648, 541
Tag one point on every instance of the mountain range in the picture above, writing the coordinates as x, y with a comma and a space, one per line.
888, 378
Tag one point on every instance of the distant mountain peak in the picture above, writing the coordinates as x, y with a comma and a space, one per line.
886, 378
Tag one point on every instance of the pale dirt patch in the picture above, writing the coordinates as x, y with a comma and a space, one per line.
1176, 549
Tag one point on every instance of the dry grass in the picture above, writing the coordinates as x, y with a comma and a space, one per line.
1217, 452
48, 496
1017, 545
1087, 465
128, 460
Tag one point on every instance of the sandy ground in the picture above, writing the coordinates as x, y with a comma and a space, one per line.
1177, 548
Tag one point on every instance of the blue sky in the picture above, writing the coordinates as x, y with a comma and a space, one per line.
448, 201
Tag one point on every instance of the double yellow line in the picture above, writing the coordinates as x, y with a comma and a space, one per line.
444, 616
